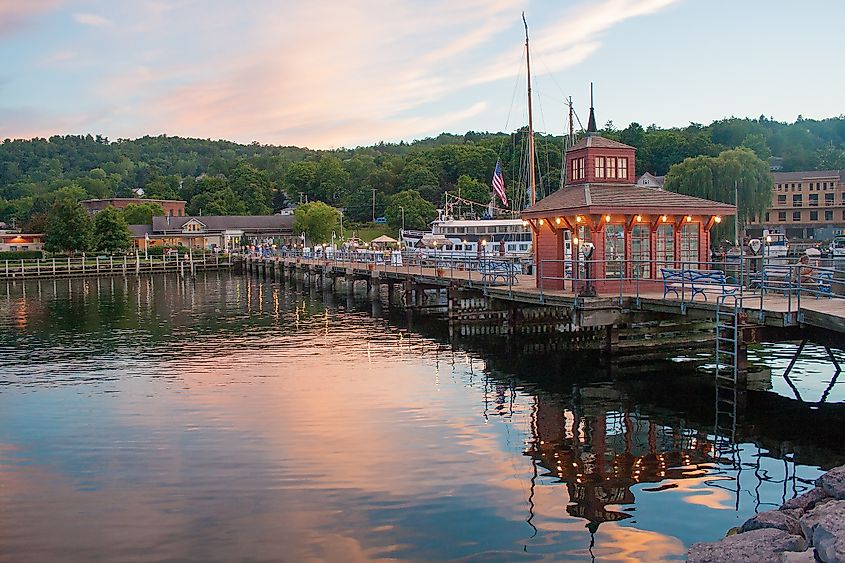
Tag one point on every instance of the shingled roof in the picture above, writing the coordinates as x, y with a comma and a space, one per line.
249, 223
807, 175
598, 141
627, 198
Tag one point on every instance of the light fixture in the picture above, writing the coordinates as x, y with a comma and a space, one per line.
484, 240
542, 222
607, 218
689, 218
525, 222
574, 240
718, 219
664, 218
577, 218
639, 218
768, 238
557, 220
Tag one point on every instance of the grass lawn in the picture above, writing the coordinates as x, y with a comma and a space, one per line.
369, 231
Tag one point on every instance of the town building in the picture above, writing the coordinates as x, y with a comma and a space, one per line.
172, 207
649, 180
636, 231
808, 205
20, 242
224, 232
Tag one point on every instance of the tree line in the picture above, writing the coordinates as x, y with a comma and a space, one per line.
226, 178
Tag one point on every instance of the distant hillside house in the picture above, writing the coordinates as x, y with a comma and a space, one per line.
172, 207
649, 180
210, 232
775, 163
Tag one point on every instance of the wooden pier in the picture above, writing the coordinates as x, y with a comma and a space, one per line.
183, 264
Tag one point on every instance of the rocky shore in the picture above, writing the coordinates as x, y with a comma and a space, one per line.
808, 528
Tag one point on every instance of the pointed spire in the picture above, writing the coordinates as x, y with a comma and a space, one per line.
591, 123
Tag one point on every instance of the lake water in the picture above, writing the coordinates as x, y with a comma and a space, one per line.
225, 418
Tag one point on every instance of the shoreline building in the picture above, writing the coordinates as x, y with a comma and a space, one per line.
635, 230
172, 207
21, 242
808, 205
209, 232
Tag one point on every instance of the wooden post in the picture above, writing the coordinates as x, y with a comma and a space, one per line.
54, 266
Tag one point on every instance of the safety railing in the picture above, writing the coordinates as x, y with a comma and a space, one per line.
106, 265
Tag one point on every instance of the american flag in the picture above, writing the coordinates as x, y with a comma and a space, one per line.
499, 183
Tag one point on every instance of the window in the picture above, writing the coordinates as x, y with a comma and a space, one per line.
781, 215
829, 198
665, 246
828, 215
614, 250
599, 167
689, 243
577, 168
782, 199
843, 214
640, 252
611, 167
622, 168
814, 215
814, 200
796, 200
796, 215
767, 217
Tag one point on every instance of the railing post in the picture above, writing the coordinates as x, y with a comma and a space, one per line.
54, 266
540, 272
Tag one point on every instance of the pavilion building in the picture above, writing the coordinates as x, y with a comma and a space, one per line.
635, 230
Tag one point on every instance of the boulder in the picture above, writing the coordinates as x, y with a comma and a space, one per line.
824, 528
808, 556
786, 520
833, 483
757, 545
806, 501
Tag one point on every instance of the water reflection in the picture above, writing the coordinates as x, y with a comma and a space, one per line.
225, 418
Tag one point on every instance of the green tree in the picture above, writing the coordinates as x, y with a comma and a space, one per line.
252, 186
714, 178
69, 228
141, 213
317, 220
111, 233
360, 204
472, 190
418, 212
757, 143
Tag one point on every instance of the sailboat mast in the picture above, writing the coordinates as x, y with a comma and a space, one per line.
531, 178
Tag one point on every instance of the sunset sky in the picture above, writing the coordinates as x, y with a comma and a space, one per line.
328, 74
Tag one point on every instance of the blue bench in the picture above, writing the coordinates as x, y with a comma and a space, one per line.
699, 282
493, 272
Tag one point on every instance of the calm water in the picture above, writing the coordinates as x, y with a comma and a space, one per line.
225, 418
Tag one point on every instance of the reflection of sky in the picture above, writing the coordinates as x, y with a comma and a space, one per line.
162, 421
811, 376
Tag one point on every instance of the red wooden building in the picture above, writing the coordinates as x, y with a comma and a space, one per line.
635, 230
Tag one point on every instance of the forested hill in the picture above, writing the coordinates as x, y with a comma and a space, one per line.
221, 177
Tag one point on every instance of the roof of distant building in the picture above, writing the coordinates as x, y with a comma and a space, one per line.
140, 230
808, 175
600, 198
133, 200
224, 222
648, 179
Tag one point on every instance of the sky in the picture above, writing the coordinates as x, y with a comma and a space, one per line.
329, 74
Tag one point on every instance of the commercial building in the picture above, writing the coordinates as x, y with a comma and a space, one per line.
635, 230
808, 205
20, 242
225, 232
172, 207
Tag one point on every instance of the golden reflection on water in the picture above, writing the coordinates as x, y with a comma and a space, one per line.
228, 421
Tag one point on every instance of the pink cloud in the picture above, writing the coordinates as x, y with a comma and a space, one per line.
16, 13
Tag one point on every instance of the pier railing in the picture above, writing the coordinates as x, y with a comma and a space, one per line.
748, 279
108, 265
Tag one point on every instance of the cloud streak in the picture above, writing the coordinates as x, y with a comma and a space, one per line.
328, 74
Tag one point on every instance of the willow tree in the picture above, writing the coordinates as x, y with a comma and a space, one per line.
714, 177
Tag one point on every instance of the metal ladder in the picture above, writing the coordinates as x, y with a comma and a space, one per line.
727, 373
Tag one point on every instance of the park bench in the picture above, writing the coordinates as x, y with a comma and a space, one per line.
699, 282
497, 272
781, 279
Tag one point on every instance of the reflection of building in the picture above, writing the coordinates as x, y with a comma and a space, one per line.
215, 231
172, 207
20, 242
600, 456
806, 205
